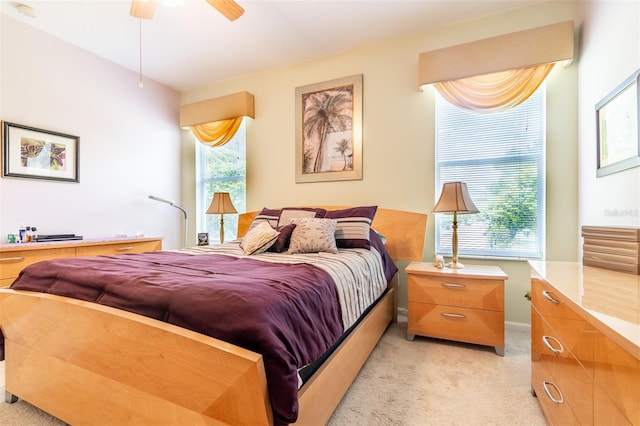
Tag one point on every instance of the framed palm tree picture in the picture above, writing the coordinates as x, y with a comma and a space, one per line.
329, 130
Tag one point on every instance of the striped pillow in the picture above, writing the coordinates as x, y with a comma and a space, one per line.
353, 226
259, 239
270, 216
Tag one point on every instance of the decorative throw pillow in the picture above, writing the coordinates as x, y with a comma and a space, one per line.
353, 225
313, 235
282, 242
289, 213
259, 239
270, 216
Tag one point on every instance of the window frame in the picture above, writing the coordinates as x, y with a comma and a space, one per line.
443, 239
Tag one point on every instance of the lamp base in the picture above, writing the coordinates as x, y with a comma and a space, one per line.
455, 265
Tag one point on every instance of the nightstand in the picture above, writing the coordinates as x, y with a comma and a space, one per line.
465, 305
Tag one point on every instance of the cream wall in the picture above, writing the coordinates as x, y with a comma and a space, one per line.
398, 136
129, 141
611, 53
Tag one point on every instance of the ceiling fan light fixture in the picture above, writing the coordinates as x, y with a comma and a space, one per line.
26, 10
143, 9
229, 8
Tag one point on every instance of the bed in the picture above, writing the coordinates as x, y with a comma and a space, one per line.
87, 363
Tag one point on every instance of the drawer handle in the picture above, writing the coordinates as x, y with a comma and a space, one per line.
447, 314
12, 259
124, 248
545, 340
548, 296
452, 285
546, 390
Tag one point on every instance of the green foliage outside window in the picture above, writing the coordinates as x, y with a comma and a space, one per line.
513, 208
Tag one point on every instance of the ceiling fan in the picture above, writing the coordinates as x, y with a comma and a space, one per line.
144, 8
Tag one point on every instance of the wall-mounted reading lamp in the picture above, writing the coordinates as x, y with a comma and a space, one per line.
173, 204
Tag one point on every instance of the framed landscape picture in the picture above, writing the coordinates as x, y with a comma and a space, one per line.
39, 154
618, 128
329, 130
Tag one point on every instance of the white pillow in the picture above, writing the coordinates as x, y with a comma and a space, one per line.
259, 239
287, 215
313, 235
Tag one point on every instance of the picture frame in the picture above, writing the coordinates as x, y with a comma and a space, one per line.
28, 152
203, 238
329, 130
618, 128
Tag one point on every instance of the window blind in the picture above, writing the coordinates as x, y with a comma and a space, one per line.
221, 169
500, 156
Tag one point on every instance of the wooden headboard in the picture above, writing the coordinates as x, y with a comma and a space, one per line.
405, 231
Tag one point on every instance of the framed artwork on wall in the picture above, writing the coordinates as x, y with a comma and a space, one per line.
618, 128
329, 130
33, 153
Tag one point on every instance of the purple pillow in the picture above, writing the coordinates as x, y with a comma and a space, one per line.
282, 242
354, 224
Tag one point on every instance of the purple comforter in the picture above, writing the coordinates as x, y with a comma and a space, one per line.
289, 313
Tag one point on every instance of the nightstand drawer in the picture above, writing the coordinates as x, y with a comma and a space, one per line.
453, 291
455, 323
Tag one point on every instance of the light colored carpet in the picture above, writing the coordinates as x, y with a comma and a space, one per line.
424, 382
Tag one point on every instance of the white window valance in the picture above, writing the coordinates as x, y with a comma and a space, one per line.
522, 49
215, 121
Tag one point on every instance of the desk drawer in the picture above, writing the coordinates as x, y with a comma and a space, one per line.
12, 262
118, 248
452, 291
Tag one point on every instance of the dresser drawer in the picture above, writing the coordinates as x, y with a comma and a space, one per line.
550, 302
453, 291
556, 410
605, 411
571, 382
617, 372
455, 323
118, 248
12, 262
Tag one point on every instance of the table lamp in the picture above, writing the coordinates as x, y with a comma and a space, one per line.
221, 204
455, 199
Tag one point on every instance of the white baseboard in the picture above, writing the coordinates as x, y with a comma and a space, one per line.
517, 326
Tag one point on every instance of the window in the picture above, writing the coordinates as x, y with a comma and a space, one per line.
500, 156
221, 169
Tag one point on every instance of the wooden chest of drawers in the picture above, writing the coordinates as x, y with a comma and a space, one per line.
465, 305
585, 356
15, 257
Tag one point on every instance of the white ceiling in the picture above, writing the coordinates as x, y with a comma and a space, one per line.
190, 46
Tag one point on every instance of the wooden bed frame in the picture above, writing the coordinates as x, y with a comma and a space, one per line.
86, 363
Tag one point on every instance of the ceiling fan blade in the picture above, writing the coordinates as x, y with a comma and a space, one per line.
142, 9
229, 8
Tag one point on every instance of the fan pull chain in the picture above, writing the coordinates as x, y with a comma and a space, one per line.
140, 84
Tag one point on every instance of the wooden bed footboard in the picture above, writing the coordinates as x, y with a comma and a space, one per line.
81, 361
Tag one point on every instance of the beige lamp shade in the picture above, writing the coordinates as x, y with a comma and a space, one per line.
221, 203
455, 198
